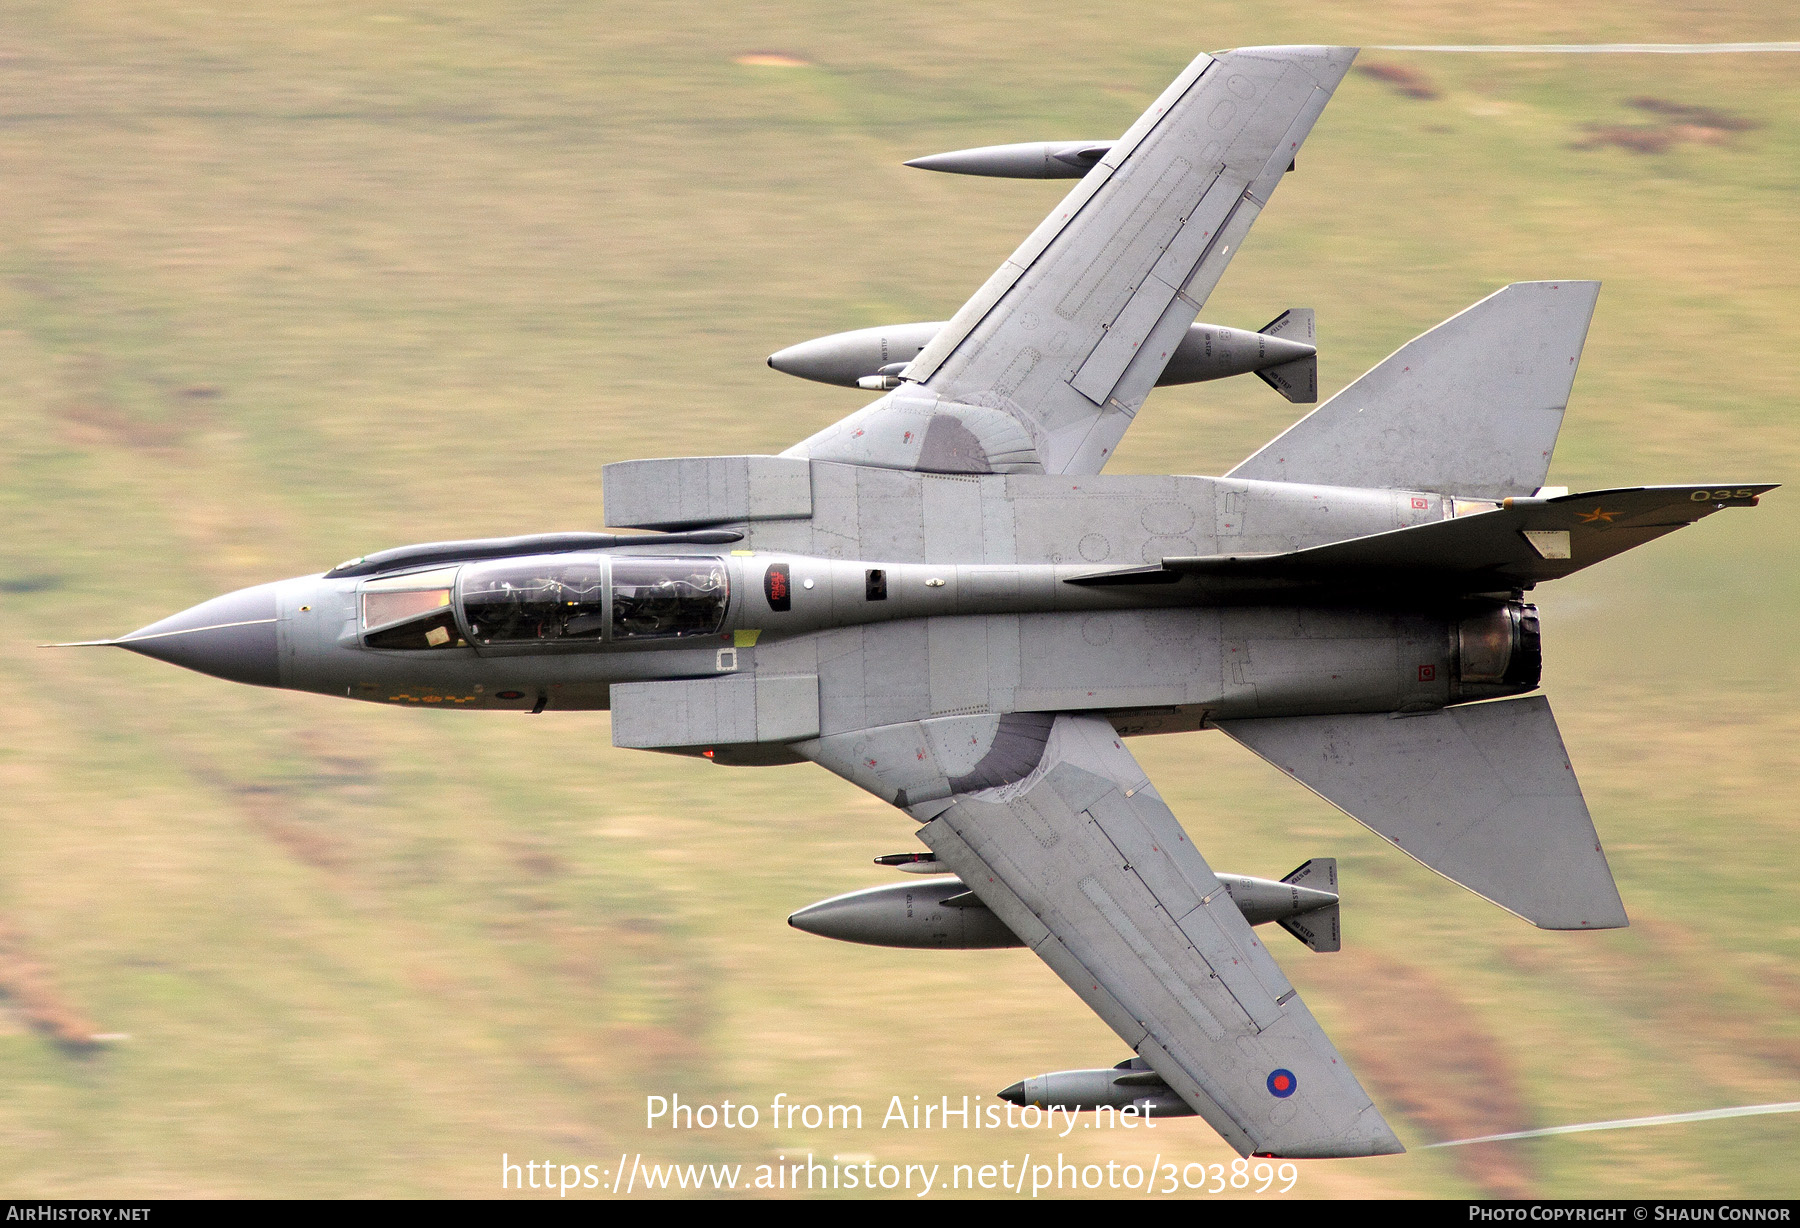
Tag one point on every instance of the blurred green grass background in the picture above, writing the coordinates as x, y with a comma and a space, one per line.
280, 285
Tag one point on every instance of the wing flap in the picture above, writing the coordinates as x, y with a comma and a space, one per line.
1118, 344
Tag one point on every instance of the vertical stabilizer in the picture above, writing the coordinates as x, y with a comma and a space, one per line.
1470, 408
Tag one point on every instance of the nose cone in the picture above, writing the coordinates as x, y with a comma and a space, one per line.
236, 636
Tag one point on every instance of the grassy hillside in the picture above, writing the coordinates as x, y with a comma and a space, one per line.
280, 285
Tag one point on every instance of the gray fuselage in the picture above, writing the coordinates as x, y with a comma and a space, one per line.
907, 596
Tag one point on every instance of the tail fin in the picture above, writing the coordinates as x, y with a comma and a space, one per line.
1298, 381
1481, 793
1318, 929
1471, 407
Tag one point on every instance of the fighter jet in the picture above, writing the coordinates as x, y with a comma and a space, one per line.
943, 599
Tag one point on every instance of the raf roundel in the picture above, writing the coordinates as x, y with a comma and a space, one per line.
1282, 1083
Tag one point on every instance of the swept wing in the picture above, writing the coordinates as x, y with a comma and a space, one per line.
1044, 368
1059, 832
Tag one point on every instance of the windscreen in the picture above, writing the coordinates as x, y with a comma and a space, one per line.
411, 611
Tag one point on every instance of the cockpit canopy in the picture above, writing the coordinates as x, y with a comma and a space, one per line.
551, 599
535, 601
654, 597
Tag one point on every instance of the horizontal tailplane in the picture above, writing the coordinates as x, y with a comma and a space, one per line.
1472, 407
1481, 793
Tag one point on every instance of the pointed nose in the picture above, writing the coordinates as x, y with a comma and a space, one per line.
236, 636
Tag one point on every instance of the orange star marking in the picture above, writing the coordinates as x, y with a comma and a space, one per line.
1597, 514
